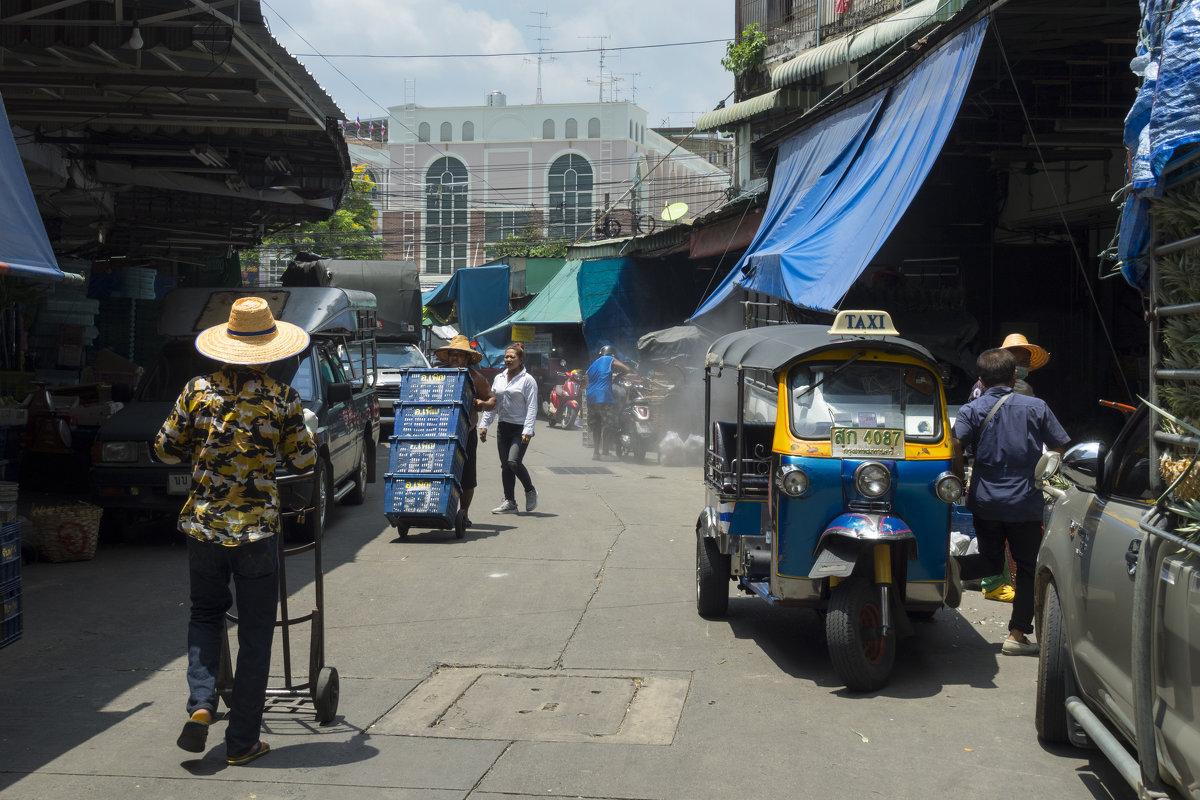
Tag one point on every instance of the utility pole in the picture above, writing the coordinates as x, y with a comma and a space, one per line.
541, 40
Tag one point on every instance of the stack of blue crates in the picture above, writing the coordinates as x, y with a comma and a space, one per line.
428, 447
10, 582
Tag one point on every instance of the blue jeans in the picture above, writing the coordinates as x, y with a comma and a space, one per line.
254, 568
512, 453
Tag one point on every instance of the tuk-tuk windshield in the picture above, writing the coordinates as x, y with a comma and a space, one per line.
864, 395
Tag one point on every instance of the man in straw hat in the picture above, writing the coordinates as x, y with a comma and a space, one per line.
459, 354
230, 426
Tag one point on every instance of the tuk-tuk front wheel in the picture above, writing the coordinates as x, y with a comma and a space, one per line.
861, 655
712, 578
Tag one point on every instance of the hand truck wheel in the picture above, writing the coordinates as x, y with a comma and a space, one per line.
325, 694
402, 530
460, 524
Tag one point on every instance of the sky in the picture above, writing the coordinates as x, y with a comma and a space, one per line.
675, 84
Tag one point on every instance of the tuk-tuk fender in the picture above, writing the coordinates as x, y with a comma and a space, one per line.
849, 536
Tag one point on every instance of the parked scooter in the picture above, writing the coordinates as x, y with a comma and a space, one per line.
635, 429
563, 406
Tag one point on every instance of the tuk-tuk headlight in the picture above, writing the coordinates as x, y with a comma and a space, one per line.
792, 481
948, 487
872, 479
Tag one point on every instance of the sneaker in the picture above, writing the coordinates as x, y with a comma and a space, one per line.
531, 500
507, 507
1012, 647
1004, 593
953, 583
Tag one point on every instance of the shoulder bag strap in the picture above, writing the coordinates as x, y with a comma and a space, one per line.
987, 420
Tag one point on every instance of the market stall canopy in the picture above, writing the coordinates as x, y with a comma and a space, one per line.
474, 299
24, 249
843, 184
166, 128
556, 304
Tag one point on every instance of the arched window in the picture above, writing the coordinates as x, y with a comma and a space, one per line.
446, 225
570, 197
468, 132
594, 128
423, 132
571, 131
548, 129
447, 133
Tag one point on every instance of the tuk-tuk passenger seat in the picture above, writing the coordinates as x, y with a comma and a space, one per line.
754, 455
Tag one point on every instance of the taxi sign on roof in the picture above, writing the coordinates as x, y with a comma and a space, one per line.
863, 323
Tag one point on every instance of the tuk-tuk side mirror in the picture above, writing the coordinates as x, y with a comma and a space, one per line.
1082, 465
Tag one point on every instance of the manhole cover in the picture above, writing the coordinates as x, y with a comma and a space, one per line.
580, 470
535, 705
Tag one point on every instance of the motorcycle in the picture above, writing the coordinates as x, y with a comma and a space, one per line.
562, 408
635, 429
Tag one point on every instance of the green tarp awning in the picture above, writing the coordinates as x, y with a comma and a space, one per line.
556, 304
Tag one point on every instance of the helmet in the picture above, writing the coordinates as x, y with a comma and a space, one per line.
606, 350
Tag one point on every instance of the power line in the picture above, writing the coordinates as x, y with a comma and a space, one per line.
511, 55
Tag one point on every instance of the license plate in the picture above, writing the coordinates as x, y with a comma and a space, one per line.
866, 442
179, 483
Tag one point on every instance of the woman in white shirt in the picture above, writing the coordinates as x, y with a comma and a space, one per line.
516, 395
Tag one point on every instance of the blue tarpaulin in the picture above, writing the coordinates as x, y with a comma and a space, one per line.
841, 186
478, 298
24, 247
1164, 118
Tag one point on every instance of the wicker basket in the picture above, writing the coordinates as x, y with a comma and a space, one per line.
67, 533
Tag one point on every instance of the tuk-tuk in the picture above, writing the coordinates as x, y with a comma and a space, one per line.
829, 482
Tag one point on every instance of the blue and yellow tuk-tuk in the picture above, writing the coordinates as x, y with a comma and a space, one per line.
829, 482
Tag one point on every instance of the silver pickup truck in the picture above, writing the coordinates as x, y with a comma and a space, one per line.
1118, 619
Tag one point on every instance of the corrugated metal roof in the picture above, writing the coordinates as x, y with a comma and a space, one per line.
721, 117
868, 40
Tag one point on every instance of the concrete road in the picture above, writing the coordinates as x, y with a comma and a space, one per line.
552, 654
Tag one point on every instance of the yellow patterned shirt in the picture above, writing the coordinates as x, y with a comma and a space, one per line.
230, 426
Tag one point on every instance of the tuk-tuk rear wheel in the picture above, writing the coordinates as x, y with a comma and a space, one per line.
861, 657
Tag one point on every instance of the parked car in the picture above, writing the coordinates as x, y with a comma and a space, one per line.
1099, 641
394, 358
335, 378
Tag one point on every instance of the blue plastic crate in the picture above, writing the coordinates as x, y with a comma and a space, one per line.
436, 386
10, 617
427, 457
417, 498
431, 421
10, 552
962, 520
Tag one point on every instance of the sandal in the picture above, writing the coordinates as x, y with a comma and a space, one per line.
260, 748
195, 733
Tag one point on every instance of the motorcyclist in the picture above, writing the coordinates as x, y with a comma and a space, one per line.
601, 405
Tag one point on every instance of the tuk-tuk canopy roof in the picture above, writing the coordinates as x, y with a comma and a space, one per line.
774, 346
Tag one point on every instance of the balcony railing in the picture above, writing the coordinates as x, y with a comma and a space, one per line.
787, 20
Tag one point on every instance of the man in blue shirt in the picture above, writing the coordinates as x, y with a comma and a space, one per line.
1009, 432
601, 405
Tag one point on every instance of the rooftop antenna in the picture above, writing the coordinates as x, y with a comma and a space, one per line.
541, 49
633, 76
602, 80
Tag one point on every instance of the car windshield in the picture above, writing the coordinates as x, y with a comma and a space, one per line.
179, 362
865, 395
403, 356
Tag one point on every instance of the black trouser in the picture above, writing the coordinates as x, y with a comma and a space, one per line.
512, 453
1024, 539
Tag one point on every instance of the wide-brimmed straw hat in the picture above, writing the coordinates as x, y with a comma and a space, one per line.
252, 335
1037, 355
460, 344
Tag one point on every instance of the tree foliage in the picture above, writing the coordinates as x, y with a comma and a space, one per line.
529, 243
747, 51
350, 233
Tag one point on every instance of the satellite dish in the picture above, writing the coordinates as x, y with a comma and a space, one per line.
674, 211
